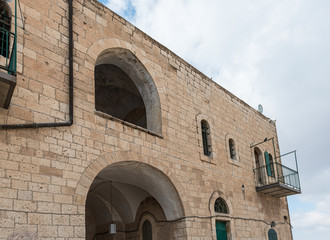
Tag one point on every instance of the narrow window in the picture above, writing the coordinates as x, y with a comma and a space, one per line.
5, 22
232, 149
220, 206
206, 138
146, 230
258, 158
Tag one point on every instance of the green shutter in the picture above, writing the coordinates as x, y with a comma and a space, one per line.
268, 166
221, 230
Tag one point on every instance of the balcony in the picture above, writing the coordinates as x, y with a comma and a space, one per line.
276, 179
7, 56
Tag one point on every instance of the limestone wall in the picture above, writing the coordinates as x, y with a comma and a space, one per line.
45, 173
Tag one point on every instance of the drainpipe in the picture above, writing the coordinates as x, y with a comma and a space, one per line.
59, 124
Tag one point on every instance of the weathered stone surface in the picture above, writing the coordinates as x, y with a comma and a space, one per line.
46, 174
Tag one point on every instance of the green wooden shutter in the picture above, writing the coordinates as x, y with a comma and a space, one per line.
268, 167
221, 230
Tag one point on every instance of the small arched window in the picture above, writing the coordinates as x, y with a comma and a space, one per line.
206, 138
5, 24
146, 230
220, 206
272, 235
232, 149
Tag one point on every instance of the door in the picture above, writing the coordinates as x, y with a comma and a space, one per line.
221, 230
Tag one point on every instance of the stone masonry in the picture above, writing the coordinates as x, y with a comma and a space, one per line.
46, 173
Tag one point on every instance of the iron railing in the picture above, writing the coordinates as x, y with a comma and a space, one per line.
8, 39
278, 174
7, 51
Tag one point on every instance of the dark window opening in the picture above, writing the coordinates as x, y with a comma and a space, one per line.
5, 24
206, 138
257, 157
117, 95
220, 206
232, 149
146, 230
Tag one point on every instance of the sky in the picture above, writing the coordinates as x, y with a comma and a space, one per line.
274, 53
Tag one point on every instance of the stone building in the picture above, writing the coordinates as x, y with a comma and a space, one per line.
107, 134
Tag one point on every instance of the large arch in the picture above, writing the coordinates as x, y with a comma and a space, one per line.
130, 183
129, 59
133, 180
123, 193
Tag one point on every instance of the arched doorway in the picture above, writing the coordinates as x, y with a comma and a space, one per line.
124, 192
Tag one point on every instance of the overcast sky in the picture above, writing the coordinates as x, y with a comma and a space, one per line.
270, 52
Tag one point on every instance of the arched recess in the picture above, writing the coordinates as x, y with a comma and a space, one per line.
130, 60
259, 174
215, 195
133, 180
199, 118
224, 218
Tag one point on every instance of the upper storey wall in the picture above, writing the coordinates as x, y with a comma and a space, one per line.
186, 95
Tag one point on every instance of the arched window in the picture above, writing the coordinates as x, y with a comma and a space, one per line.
272, 235
117, 95
125, 90
206, 138
5, 24
232, 149
146, 230
258, 159
220, 206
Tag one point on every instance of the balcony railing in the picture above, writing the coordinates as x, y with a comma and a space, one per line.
277, 180
7, 51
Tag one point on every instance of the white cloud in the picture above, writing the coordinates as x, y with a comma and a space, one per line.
118, 6
315, 223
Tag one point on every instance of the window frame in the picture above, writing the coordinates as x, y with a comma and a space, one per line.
206, 138
213, 154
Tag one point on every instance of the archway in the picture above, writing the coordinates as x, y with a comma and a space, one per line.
122, 193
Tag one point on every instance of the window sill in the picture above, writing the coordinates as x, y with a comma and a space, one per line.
206, 159
107, 116
234, 162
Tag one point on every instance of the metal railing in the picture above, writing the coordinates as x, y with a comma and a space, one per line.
277, 173
7, 51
